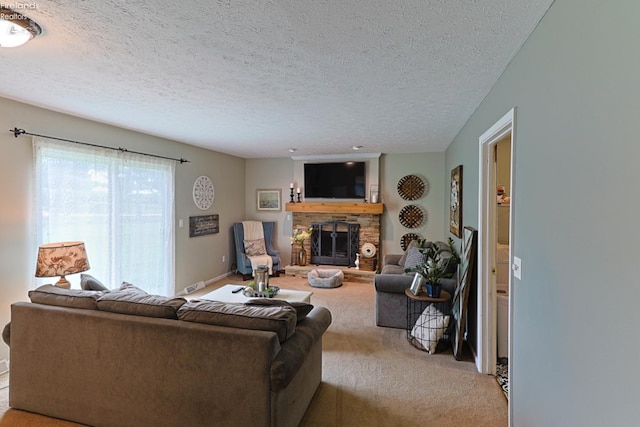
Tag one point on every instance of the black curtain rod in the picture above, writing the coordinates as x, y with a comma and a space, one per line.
17, 132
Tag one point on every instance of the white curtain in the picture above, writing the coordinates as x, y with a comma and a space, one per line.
120, 204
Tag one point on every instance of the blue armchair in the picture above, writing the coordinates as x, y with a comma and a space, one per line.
242, 261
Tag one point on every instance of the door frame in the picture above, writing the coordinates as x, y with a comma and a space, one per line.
487, 300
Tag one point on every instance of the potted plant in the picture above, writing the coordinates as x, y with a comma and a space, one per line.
434, 268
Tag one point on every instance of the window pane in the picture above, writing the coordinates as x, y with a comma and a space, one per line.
119, 204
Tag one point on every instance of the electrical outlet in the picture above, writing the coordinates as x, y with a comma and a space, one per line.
224, 258
180, 223
517, 268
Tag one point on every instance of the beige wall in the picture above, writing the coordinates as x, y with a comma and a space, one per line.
429, 166
271, 174
197, 258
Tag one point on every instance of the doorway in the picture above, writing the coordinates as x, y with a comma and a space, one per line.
501, 266
490, 235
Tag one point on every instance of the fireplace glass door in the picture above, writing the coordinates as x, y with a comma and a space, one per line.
334, 243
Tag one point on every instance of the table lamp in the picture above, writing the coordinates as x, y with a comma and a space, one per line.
59, 259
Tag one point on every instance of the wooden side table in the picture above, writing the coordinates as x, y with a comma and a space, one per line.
416, 305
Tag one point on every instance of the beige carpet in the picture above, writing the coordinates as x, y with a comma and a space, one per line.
371, 376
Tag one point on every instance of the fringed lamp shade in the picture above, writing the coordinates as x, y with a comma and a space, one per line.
60, 259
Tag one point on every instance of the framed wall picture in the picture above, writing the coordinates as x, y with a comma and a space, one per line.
268, 200
455, 207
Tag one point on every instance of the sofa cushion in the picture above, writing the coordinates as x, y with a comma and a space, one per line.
392, 269
140, 304
280, 319
90, 283
302, 308
295, 352
73, 298
446, 258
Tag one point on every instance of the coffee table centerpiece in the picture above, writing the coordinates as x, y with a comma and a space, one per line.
269, 292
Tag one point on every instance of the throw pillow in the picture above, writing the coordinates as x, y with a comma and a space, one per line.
128, 287
254, 247
430, 327
302, 308
403, 258
414, 257
139, 304
412, 244
74, 298
278, 319
90, 283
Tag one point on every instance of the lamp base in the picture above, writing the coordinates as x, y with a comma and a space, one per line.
63, 283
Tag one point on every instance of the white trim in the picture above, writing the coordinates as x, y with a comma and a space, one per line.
215, 279
486, 295
487, 303
351, 156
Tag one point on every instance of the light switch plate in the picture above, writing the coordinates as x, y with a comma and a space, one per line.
517, 268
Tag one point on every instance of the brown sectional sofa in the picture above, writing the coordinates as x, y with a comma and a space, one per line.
72, 359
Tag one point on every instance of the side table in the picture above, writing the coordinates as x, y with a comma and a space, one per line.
416, 304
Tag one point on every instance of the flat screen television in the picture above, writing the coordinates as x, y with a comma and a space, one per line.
344, 180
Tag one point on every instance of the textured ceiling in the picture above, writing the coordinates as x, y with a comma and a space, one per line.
254, 78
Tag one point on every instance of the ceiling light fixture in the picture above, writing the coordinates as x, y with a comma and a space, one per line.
16, 29
356, 147
293, 150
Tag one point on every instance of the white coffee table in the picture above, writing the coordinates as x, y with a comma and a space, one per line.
225, 294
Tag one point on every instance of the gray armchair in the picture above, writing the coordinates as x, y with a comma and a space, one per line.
243, 262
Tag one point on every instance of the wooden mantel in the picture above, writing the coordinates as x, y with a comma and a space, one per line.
336, 207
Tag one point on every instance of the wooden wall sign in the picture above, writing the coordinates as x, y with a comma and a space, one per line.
203, 225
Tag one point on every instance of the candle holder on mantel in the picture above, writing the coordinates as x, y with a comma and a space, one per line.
299, 197
291, 195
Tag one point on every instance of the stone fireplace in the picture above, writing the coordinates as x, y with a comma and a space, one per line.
362, 219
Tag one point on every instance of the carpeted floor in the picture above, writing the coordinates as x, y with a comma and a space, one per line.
371, 376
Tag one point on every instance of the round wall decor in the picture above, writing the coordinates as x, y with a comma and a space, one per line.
407, 238
368, 250
411, 187
411, 216
203, 192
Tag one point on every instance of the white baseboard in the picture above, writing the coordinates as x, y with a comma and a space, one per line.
215, 279
199, 285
